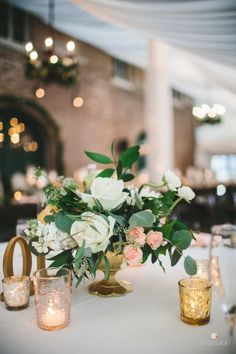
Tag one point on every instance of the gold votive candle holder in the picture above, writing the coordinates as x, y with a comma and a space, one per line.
52, 298
16, 290
195, 300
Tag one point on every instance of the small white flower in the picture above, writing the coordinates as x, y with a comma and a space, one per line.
171, 180
164, 243
186, 193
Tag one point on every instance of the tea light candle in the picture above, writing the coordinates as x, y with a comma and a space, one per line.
195, 300
16, 291
53, 317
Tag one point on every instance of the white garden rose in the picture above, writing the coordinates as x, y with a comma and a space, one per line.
186, 193
109, 192
94, 230
171, 180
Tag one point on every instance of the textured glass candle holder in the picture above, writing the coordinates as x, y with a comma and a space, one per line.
195, 300
16, 290
52, 298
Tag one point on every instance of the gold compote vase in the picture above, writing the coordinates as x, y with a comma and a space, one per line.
111, 287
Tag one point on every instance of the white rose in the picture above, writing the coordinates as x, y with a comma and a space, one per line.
109, 192
171, 180
186, 193
94, 230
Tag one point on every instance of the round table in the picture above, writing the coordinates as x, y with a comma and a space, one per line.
144, 321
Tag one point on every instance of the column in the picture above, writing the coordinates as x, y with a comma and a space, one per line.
159, 112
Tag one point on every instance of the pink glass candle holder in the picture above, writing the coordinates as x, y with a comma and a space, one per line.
52, 298
16, 291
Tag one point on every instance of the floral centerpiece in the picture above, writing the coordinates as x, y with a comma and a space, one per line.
111, 216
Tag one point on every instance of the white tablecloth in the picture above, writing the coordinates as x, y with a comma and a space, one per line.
144, 321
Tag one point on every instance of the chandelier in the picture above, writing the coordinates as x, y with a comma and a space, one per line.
206, 114
47, 65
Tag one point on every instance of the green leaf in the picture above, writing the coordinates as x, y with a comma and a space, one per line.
49, 218
141, 218
182, 239
138, 200
61, 259
129, 156
175, 257
119, 218
107, 267
62, 222
100, 158
154, 257
127, 177
92, 266
108, 172
113, 148
119, 169
167, 229
190, 265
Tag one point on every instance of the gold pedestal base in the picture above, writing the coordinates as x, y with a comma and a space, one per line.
195, 322
110, 287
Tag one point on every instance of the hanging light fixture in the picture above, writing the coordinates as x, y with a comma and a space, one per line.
206, 114
47, 65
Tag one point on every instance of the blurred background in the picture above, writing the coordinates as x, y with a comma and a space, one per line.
74, 76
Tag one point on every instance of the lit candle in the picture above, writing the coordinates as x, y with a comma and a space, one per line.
53, 317
195, 300
16, 291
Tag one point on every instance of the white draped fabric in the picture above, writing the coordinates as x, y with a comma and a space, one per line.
205, 27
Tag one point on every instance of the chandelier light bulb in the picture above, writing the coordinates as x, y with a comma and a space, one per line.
219, 109
15, 138
33, 55
205, 108
40, 92
53, 59
29, 47
48, 42
212, 113
70, 46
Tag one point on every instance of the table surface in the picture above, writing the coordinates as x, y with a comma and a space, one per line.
144, 321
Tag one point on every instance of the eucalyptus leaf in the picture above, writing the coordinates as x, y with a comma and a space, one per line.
98, 157
141, 218
190, 265
182, 239
138, 200
63, 222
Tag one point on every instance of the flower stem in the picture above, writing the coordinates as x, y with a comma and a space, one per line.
174, 204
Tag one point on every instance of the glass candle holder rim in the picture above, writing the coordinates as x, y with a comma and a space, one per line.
16, 278
206, 287
37, 275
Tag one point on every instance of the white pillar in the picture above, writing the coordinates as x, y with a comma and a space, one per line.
159, 112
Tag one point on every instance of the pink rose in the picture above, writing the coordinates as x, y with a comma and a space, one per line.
137, 235
154, 239
133, 255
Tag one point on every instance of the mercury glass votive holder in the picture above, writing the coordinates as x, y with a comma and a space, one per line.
52, 298
16, 290
195, 300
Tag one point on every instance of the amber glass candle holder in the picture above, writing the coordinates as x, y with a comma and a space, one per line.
195, 300
52, 298
16, 290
